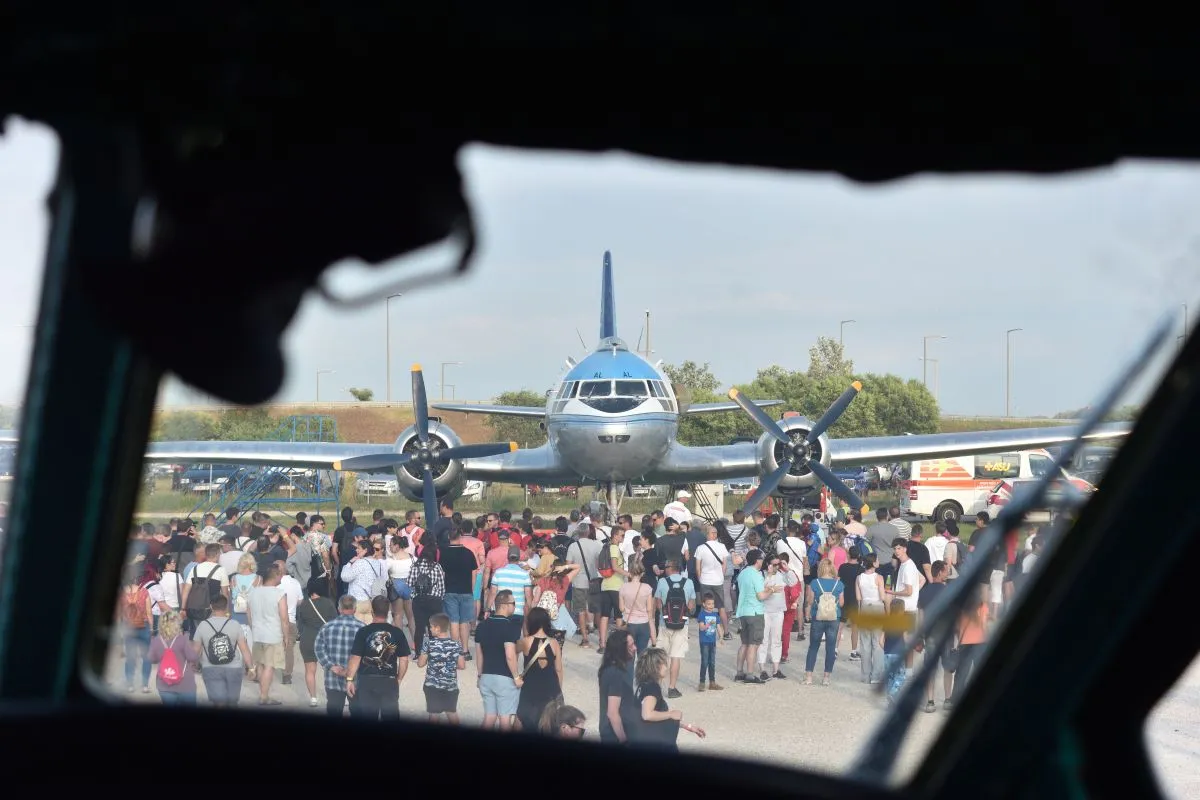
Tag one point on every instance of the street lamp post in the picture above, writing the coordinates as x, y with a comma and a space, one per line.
936, 382
321, 372
842, 330
388, 313
442, 384
925, 357
1008, 370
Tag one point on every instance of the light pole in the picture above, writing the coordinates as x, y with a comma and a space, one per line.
442, 384
321, 372
842, 330
388, 313
936, 383
925, 357
1008, 370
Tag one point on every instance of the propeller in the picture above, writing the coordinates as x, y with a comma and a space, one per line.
799, 451
424, 451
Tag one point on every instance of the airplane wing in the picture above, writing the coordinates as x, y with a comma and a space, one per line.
705, 408
884, 449
309, 455
685, 464
540, 465
500, 411
8, 436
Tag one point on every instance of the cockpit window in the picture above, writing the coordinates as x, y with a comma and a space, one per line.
631, 389
595, 388
656, 387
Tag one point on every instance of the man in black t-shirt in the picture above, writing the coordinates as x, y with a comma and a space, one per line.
444, 524
378, 661
919, 553
460, 566
499, 677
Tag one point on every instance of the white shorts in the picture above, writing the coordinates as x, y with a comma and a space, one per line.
674, 642
997, 586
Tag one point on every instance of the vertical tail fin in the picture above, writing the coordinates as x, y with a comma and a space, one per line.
608, 305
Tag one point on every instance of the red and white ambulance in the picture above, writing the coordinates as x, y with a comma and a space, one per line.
951, 488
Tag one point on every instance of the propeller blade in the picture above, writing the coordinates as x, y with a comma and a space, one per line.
766, 486
477, 450
760, 416
836, 486
835, 411
429, 494
373, 462
420, 404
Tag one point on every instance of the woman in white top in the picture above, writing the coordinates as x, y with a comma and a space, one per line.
170, 582
399, 564
869, 590
776, 577
360, 575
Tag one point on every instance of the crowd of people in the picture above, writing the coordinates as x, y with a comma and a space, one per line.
502, 600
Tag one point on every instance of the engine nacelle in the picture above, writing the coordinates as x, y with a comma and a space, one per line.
448, 477
770, 453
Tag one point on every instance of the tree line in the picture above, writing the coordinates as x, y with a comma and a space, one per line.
235, 424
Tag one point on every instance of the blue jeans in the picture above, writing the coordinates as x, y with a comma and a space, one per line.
708, 661
893, 673
178, 698
827, 629
641, 634
137, 645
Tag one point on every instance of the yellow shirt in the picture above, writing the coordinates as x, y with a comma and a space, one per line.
614, 583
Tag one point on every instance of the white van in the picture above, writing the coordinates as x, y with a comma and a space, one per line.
950, 488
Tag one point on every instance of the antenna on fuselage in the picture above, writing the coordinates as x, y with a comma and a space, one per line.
581, 341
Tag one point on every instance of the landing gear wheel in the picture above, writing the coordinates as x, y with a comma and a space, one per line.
946, 510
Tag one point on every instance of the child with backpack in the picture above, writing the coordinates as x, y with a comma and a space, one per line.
177, 657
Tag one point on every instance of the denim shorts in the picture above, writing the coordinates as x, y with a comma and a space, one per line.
459, 607
500, 695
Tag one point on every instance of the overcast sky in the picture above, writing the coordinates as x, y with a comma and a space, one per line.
739, 268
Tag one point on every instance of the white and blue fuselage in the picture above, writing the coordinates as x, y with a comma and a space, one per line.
613, 416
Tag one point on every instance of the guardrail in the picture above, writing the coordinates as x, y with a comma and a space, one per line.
999, 418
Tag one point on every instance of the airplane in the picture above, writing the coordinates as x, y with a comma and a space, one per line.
612, 419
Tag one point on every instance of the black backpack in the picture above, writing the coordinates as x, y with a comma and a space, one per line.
559, 545
675, 606
221, 648
200, 595
422, 581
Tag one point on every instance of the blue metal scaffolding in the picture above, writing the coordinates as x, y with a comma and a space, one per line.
276, 487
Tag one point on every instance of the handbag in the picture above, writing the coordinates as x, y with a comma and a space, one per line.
398, 589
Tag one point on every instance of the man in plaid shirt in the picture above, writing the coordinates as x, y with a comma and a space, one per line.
333, 644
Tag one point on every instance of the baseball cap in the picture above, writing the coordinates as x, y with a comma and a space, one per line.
514, 553
682, 493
